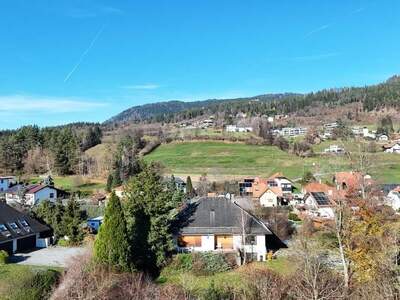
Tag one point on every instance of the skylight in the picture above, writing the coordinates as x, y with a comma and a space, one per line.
3, 228
13, 225
24, 223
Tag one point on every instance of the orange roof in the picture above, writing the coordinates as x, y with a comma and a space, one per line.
315, 187
259, 187
352, 180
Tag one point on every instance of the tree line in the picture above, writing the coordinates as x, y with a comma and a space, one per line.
35, 150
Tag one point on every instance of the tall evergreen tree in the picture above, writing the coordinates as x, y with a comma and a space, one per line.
189, 187
112, 243
72, 220
150, 210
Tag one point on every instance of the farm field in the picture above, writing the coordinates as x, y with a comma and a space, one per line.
234, 160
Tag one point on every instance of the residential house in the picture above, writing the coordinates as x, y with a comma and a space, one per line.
383, 138
319, 205
6, 182
20, 232
289, 131
235, 128
367, 134
272, 196
31, 194
334, 149
95, 223
281, 181
392, 148
219, 224
246, 187
392, 195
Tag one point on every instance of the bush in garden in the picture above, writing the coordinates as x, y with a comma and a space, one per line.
208, 263
3, 257
183, 261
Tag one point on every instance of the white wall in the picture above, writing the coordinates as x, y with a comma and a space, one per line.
268, 199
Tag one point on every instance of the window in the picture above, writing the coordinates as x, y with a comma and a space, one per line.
24, 223
3, 228
51, 195
190, 241
13, 225
251, 240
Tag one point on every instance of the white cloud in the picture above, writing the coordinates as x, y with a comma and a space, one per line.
45, 104
149, 86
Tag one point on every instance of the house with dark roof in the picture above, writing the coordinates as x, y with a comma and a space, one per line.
222, 225
318, 204
19, 232
31, 194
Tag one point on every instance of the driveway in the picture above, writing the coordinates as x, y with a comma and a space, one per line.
52, 256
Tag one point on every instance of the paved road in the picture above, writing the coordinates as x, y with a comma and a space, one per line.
52, 257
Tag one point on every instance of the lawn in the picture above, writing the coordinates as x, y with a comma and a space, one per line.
227, 160
74, 183
21, 282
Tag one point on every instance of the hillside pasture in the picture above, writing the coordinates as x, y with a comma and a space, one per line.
222, 160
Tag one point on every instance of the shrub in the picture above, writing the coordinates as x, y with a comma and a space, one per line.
208, 263
294, 217
183, 262
3, 257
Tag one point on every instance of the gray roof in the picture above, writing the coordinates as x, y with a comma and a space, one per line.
386, 188
9, 215
218, 216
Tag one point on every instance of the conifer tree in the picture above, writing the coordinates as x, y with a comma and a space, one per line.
150, 209
112, 245
72, 220
189, 187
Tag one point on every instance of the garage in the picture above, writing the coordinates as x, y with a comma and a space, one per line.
7, 246
26, 243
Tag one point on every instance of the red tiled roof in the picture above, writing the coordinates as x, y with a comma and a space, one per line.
32, 189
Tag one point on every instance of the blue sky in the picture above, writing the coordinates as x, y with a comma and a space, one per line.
86, 60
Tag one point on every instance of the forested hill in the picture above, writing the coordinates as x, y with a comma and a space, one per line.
161, 111
386, 94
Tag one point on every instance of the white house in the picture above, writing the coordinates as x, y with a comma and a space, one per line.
219, 224
393, 199
392, 148
235, 128
319, 205
290, 131
6, 182
271, 197
368, 134
383, 138
282, 182
31, 194
334, 149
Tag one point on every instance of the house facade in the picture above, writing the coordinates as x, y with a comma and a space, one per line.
222, 225
319, 205
6, 182
392, 148
95, 223
19, 232
31, 194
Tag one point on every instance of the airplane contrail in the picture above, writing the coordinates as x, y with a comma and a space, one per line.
84, 54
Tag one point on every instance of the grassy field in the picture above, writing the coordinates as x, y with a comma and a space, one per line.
74, 183
234, 160
22, 282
